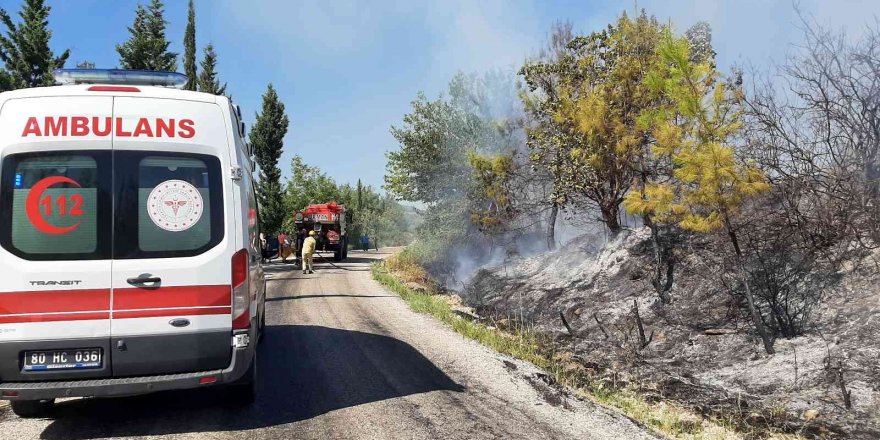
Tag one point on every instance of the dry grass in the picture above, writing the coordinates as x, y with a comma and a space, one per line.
522, 342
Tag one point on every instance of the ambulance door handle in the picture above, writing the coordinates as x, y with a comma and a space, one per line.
139, 281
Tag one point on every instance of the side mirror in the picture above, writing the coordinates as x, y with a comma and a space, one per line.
241, 129
237, 110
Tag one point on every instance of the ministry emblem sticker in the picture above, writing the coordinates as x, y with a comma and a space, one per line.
175, 205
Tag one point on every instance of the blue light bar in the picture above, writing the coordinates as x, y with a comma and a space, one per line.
120, 77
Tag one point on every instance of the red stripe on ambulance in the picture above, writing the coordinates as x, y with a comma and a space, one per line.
171, 297
86, 304
54, 301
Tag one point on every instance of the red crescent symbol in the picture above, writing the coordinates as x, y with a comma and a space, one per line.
32, 205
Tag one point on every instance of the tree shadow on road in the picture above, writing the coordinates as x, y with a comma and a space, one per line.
303, 372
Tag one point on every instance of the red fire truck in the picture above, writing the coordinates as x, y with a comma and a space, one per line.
328, 222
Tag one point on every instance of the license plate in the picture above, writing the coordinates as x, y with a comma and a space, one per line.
71, 359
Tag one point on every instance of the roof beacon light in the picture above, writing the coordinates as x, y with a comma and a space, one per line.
120, 76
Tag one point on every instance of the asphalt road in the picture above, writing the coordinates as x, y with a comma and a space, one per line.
343, 358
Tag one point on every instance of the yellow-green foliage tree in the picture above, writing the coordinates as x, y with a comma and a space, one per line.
695, 132
601, 99
492, 195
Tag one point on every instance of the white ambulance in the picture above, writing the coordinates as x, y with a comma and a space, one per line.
129, 249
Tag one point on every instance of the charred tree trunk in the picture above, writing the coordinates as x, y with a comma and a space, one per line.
551, 227
662, 263
643, 341
753, 310
610, 217
847, 394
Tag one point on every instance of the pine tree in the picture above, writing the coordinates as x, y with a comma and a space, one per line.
147, 49
710, 184
208, 81
189, 49
25, 48
267, 139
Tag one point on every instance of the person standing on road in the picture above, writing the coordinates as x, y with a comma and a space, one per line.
281, 238
308, 252
299, 238
365, 242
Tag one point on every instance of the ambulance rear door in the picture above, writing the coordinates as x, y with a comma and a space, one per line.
174, 238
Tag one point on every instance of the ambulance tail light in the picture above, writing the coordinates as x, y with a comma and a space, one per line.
241, 317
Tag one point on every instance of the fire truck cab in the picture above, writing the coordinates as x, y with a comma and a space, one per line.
129, 243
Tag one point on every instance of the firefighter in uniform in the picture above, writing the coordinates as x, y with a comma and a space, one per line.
308, 252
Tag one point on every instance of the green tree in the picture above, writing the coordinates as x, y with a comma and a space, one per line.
147, 48
25, 48
267, 138
189, 49
308, 185
208, 81
431, 164
6, 82
710, 185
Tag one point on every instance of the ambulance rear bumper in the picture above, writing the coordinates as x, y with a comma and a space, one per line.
128, 386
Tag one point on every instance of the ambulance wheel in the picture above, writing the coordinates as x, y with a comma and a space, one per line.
244, 391
32, 408
337, 255
345, 248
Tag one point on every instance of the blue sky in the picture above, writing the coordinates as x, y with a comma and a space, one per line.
347, 70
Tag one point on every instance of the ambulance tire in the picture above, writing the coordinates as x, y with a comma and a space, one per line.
244, 391
32, 408
337, 254
345, 248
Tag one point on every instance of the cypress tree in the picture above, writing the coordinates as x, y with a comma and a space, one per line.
147, 49
208, 81
189, 49
6, 83
267, 139
25, 48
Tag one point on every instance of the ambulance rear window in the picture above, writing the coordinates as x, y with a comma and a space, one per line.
55, 205
167, 204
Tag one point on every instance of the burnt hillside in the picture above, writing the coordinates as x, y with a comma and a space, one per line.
700, 348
